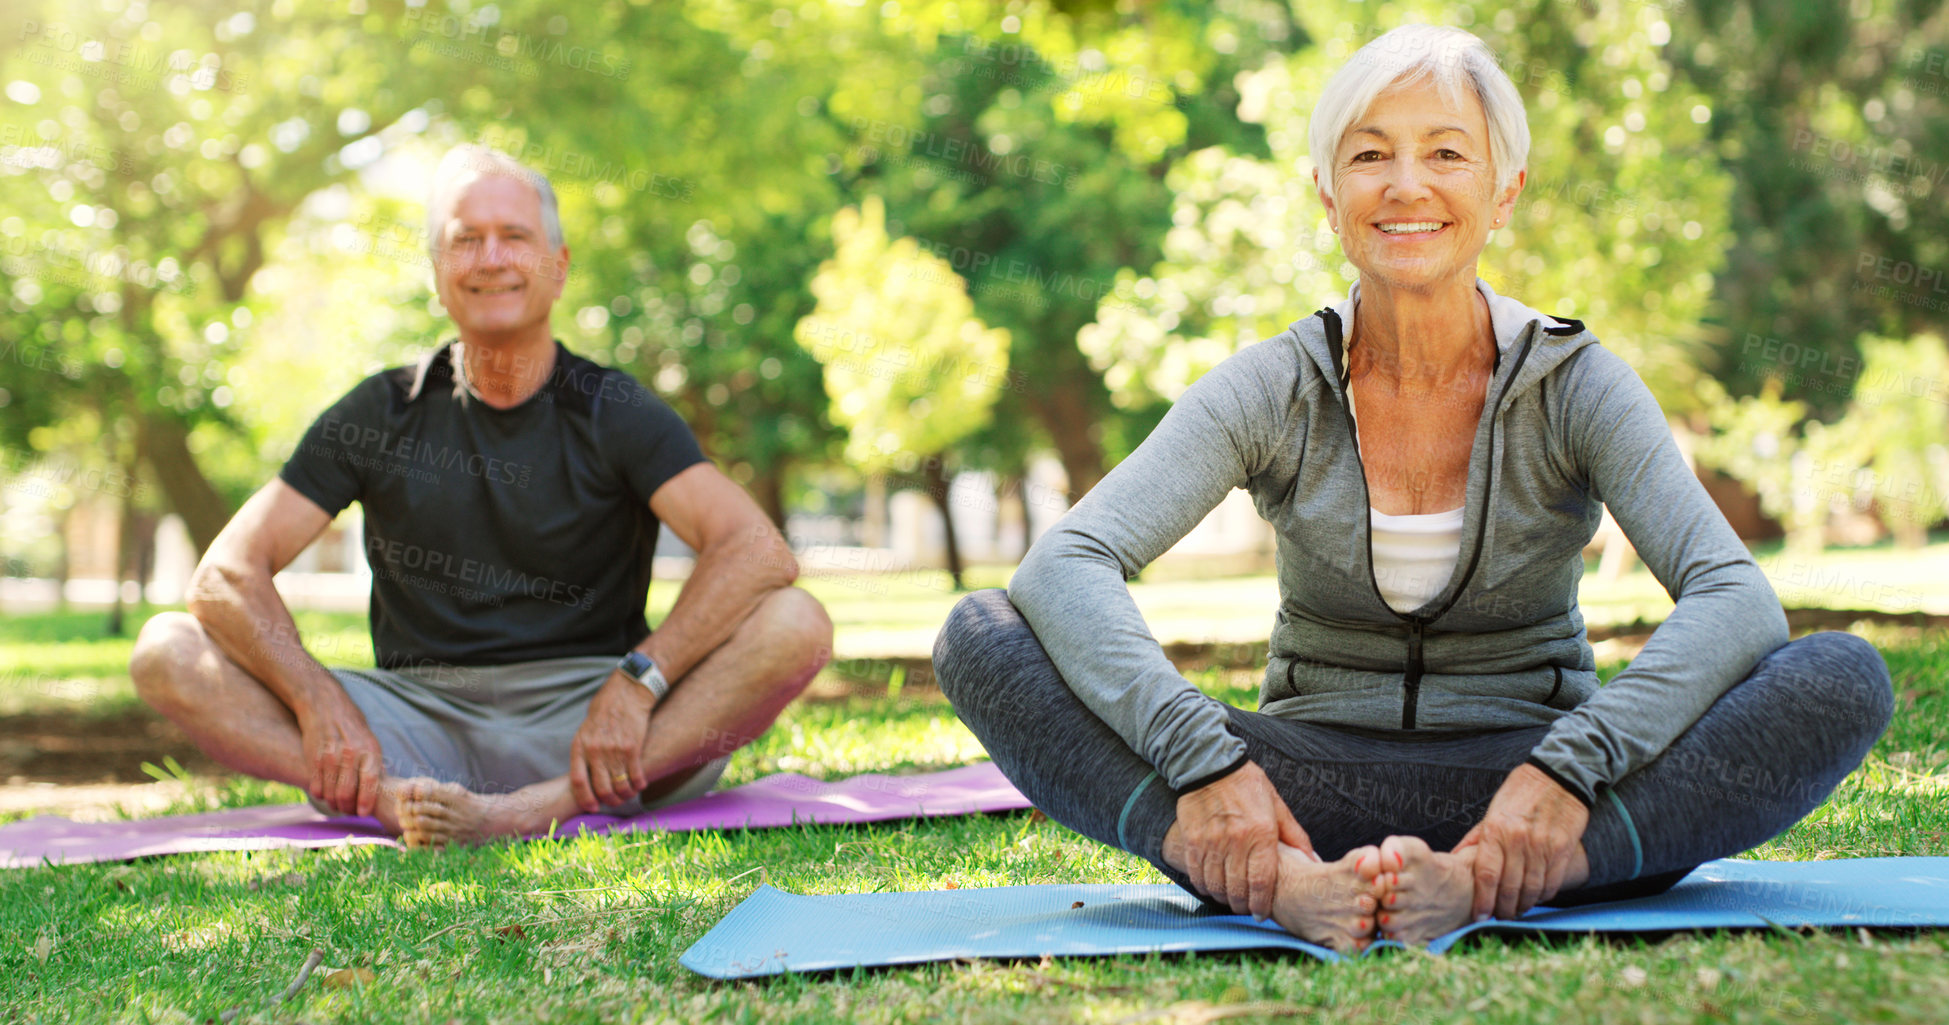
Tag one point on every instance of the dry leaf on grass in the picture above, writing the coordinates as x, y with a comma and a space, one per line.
43, 948
346, 978
511, 932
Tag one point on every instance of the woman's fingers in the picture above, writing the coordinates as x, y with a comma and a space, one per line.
1291, 833
1488, 877
1509, 889
1238, 877
1214, 884
1263, 880
1553, 877
1536, 869
1194, 871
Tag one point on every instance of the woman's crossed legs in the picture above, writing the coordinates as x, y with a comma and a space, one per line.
1383, 809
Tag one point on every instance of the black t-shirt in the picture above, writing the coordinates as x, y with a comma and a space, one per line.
499, 535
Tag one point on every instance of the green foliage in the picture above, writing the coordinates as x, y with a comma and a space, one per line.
1832, 120
908, 366
1756, 439
1900, 414
1886, 453
213, 230
1621, 223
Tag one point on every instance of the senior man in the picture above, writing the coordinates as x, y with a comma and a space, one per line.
512, 493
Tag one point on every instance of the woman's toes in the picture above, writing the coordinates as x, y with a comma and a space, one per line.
1398, 852
1367, 862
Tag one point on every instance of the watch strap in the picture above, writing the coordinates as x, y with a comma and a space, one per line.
643, 670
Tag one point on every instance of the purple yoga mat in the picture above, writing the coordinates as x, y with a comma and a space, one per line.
782, 800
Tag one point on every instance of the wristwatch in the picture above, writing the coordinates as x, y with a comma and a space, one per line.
638, 666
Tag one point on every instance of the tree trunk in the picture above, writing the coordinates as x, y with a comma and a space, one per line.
1065, 413
938, 483
165, 444
124, 560
769, 491
1009, 514
62, 562
876, 510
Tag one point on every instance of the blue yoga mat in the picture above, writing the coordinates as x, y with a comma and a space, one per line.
773, 931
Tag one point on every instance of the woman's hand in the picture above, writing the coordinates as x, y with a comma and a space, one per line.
1227, 840
1527, 840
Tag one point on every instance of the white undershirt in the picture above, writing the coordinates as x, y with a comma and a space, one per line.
1415, 553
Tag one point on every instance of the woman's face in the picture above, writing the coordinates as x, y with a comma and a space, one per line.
1414, 197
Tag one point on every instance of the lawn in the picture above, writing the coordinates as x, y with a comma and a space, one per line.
589, 929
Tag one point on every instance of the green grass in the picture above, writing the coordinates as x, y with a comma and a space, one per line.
603, 920
65, 662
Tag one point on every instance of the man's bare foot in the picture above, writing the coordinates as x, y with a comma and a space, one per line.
1329, 903
1424, 893
436, 814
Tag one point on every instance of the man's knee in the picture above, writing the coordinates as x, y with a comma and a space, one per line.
168, 644
796, 622
970, 630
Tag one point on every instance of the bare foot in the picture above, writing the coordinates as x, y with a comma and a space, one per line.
1330, 903
436, 814
1424, 893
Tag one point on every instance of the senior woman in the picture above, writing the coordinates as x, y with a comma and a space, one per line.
1432, 743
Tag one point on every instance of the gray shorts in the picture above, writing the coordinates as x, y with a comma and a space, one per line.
491, 729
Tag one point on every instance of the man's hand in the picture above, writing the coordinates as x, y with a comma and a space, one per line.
1231, 831
1527, 840
604, 762
346, 764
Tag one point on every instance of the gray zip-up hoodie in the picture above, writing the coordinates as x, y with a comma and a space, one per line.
1567, 427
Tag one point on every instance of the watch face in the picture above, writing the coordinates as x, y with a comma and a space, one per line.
636, 664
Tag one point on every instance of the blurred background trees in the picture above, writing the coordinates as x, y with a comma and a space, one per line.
210, 224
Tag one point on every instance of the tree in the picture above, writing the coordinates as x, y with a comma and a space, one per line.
1900, 413
1833, 122
909, 368
1621, 221
156, 156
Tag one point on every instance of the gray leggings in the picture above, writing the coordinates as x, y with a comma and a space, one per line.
1762, 757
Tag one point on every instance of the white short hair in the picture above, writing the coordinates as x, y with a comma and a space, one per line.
1453, 59
469, 161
